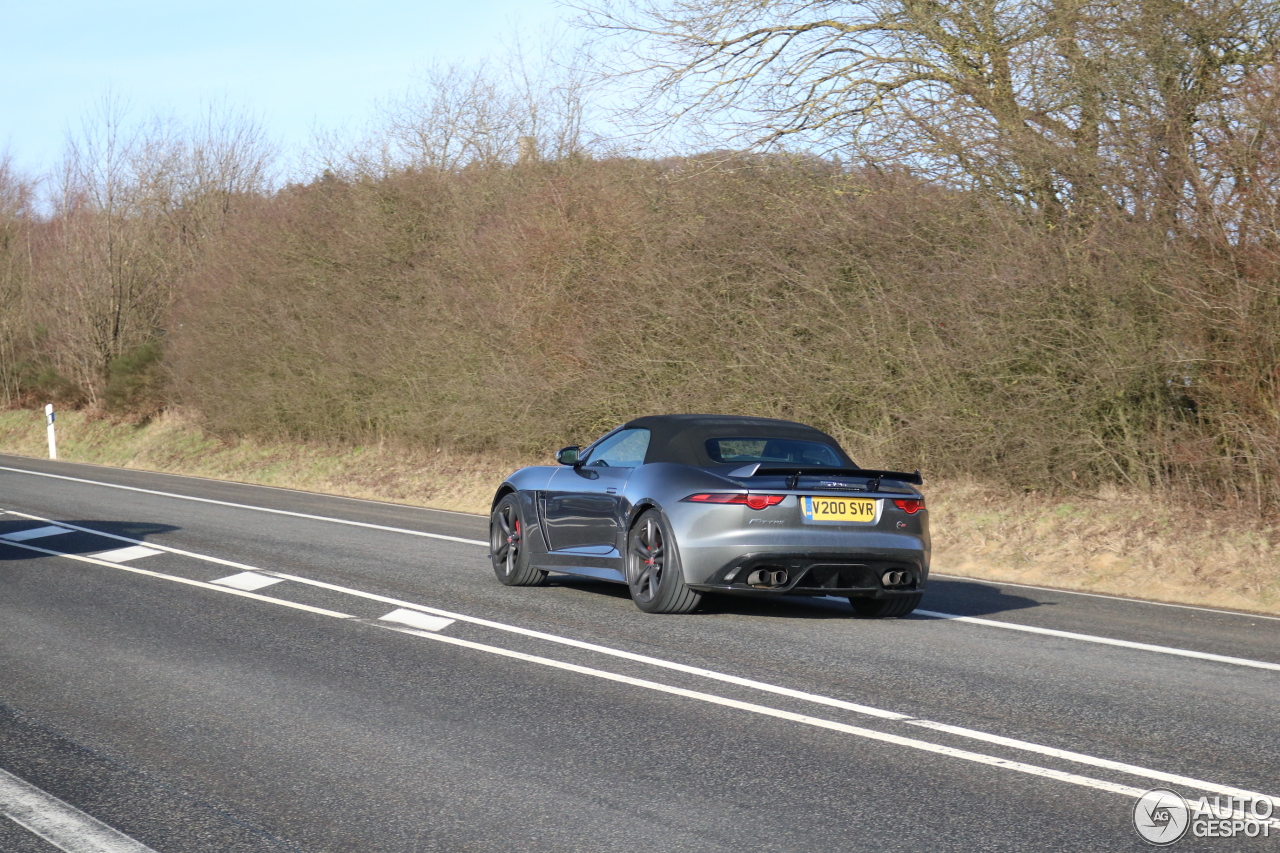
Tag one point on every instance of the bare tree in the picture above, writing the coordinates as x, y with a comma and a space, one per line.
1058, 103
555, 91
1241, 183
15, 263
105, 279
134, 201
456, 115
475, 114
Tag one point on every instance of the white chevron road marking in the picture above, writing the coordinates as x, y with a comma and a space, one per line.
133, 552
35, 533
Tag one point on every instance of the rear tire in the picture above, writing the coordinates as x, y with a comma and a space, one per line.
883, 608
506, 545
653, 568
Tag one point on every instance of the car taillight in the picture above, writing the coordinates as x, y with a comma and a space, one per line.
753, 501
909, 505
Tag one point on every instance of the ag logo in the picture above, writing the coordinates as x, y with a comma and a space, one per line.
1161, 816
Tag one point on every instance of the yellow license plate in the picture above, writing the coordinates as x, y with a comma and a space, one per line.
838, 509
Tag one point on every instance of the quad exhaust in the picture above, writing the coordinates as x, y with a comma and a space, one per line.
890, 579
767, 578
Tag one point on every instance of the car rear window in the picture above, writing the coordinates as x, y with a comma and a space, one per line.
785, 450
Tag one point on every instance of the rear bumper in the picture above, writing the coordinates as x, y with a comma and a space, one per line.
822, 573
714, 540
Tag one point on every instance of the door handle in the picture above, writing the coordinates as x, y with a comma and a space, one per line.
611, 490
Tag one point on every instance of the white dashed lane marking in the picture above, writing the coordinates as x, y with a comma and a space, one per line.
421, 620
188, 581
133, 552
417, 619
425, 621
34, 533
248, 581
927, 614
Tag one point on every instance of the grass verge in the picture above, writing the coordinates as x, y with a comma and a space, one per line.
1114, 542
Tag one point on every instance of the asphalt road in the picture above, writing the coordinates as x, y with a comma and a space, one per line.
284, 710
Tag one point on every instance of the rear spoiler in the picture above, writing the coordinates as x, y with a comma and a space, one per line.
761, 469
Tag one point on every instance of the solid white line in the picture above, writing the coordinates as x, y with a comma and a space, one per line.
1125, 599
896, 739
765, 687
251, 581
34, 533
1107, 641
1080, 758
228, 590
692, 670
1120, 598
658, 662
926, 613
416, 619
223, 481
133, 552
861, 709
780, 714
250, 506
59, 823
606, 650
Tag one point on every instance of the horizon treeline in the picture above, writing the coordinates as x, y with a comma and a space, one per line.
478, 273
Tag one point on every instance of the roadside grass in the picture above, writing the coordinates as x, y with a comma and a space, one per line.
175, 444
1113, 541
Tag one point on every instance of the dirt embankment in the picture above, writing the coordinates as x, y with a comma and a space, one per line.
1126, 543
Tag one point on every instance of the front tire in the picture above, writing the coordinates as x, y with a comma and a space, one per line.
884, 608
506, 545
653, 568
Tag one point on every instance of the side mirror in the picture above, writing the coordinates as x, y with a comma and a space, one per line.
568, 455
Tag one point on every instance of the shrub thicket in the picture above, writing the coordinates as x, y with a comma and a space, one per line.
1086, 289
527, 307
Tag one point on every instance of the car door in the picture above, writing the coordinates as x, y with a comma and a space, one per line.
584, 502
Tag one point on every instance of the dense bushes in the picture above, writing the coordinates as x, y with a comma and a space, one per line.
1085, 288
525, 307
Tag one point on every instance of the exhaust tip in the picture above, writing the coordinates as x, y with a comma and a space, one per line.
768, 578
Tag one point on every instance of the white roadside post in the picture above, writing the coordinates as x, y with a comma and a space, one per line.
53, 441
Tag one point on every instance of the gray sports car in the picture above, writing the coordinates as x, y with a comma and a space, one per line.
676, 506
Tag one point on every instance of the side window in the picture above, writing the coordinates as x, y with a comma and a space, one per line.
625, 449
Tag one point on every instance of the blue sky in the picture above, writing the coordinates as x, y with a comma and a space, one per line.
295, 65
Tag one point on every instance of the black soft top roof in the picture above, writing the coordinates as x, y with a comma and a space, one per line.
682, 438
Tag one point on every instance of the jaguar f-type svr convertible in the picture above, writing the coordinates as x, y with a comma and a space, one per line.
676, 506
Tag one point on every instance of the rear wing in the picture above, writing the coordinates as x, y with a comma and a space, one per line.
774, 469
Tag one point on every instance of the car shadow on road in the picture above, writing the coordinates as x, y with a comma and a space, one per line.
73, 541
784, 607
963, 597
956, 597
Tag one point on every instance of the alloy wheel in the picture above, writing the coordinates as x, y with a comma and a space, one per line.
506, 537
647, 560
